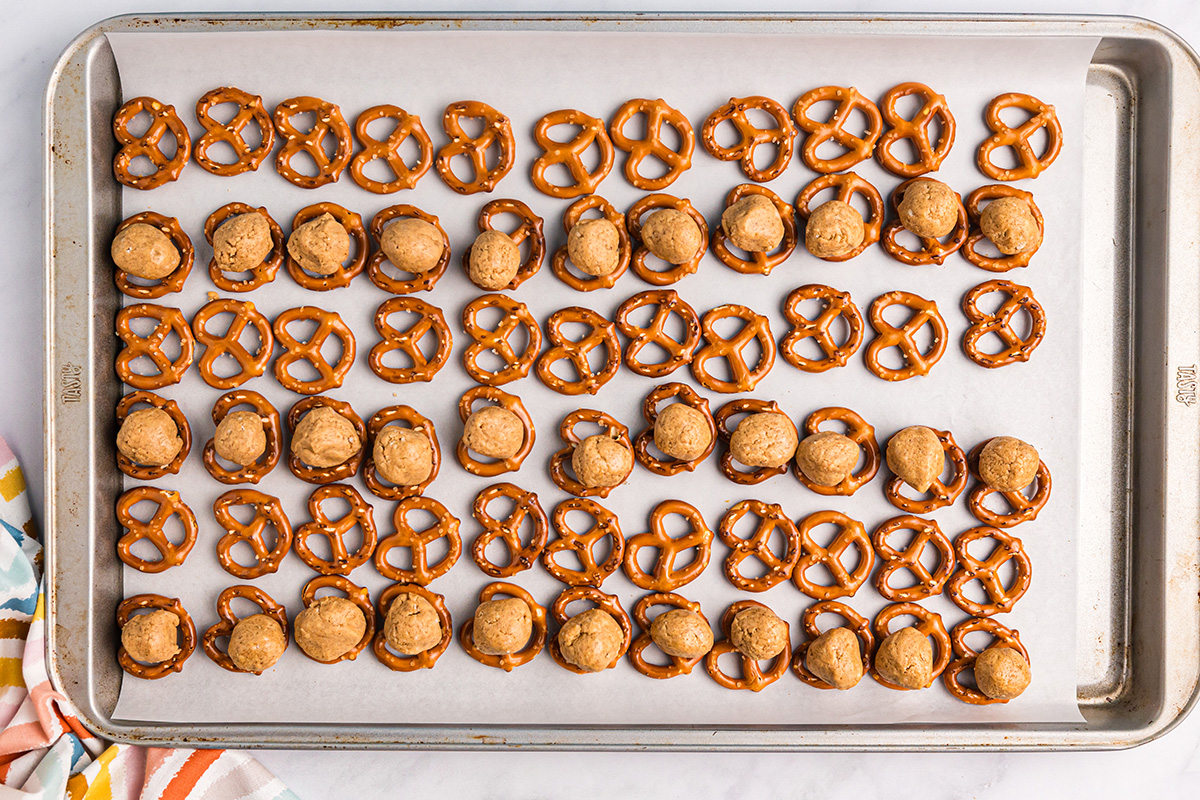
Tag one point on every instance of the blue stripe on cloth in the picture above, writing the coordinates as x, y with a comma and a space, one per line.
18, 583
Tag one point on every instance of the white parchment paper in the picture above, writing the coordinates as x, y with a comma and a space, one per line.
525, 75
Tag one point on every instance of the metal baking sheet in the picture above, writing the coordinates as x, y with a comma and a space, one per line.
1110, 677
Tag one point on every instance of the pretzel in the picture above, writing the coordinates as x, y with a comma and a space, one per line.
228, 620
641, 614
858, 431
846, 186
665, 577
583, 545
341, 561
836, 304
407, 537
328, 122
355, 594
170, 320
743, 377
758, 545
562, 458
339, 472
145, 472
856, 148
328, 323
1020, 298
186, 636
250, 110
521, 556
250, 473
674, 272
924, 312
426, 659
666, 303
964, 656
422, 282
509, 402
753, 676
608, 603
173, 281
580, 281
642, 444
744, 405
529, 229
939, 494
988, 572
757, 263
601, 333
268, 511
413, 420
516, 315
859, 625
1031, 164
496, 130
924, 532
929, 624
353, 224
167, 505
570, 153
850, 534
261, 274
975, 235
408, 341
1023, 508
163, 119
933, 251
537, 638
917, 130
228, 344
782, 136
656, 112
388, 150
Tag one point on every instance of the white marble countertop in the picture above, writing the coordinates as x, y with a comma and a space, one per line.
30, 41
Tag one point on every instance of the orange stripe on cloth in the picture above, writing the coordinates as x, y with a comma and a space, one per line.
14, 629
12, 483
191, 772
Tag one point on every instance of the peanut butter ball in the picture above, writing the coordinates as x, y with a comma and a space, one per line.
672, 235
1009, 223
758, 633
412, 245
906, 659
242, 242
144, 251
149, 437
403, 456
765, 439
1008, 464
1001, 673
256, 643
502, 627
330, 628
591, 640
836, 658
834, 229
681, 633
240, 438
594, 246
826, 458
929, 208
151, 638
753, 224
320, 246
412, 625
494, 260
601, 461
915, 455
682, 432
494, 431
324, 438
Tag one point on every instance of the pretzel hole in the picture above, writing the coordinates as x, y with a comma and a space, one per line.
242, 607
734, 656
172, 527
222, 152
142, 166
727, 136
998, 504
302, 163
819, 575
426, 345
987, 248
653, 168
983, 548
1014, 116
905, 151
139, 125
973, 591
827, 532
763, 155
242, 552
498, 553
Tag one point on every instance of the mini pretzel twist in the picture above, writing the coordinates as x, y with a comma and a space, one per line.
987, 571
754, 677
578, 280
559, 462
641, 445
328, 122
964, 656
904, 338
929, 624
859, 431
933, 251
229, 620
355, 594
1022, 507
341, 561
259, 275
144, 472
924, 532
509, 402
353, 224
782, 136
665, 576
859, 625
322, 475
407, 537
758, 263
422, 282
608, 603
497, 130
917, 130
372, 149
666, 303
537, 638
657, 113
673, 272
601, 333
1031, 164
516, 315
975, 236
856, 148
170, 321
249, 473
250, 110
675, 665
172, 282
583, 544
167, 505
758, 545
743, 377
940, 494
426, 659
163, 120
268, 513
329, 323
570, 153
410, 418
250, 365
850, 533
186, 637
521, 555
1019, 298
745, 405
846, 186
836, 305
408, 341
529, 229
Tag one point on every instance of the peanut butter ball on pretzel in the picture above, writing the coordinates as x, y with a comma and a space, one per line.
1010, 225
149, 437
1001, 673
151, 638
144, 251
915, 455
330, 628
242, 242
591, 640
403, 456
929, 208
240, 438
594, 246
681, 633
682, 432
502, 627
672, 235
601, 461
757, 633
1008, 464
320, 246
834, 229
905, 658
765, 439
412, 245
494, 260
324, 438
412, 625
836, 658
256, 643
753, 224
494, 432
826, 458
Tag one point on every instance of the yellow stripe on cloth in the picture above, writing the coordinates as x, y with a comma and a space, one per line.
12, 483
10, 672
100, 788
